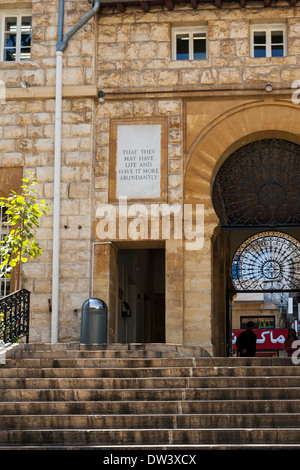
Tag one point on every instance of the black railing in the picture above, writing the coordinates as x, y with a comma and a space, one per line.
14, 316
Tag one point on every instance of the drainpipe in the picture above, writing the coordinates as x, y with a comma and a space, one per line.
62, 44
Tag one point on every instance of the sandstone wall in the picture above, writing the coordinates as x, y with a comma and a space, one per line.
128, 55
134, 48
27, 121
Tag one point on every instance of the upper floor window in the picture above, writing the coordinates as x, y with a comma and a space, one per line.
15, 36
189, 43
269, 40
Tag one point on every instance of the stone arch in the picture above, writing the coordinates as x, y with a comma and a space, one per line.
205, 293
225, 134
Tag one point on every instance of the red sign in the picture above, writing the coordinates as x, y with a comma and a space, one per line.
272, 338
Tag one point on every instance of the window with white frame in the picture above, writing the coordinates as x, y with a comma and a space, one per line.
268, 40
4, 230
15, 31
189, 43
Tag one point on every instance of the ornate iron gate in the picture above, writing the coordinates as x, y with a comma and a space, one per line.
259, 186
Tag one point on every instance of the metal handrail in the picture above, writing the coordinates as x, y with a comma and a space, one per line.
14, 316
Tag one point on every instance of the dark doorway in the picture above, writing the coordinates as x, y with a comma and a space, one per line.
141, 295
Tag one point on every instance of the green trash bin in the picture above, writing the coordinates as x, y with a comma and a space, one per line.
94, 322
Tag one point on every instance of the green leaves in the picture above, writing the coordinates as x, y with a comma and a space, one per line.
23, 212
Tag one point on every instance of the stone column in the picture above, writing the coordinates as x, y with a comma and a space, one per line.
105, 282
198, 296
174, 291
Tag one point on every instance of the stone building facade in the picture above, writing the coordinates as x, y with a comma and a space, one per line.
205, 110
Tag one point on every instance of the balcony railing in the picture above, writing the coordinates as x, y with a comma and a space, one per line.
14, 316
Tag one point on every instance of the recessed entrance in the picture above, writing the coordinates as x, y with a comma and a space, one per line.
141, 296
256, 249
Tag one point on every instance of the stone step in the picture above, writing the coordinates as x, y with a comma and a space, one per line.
117, 363
148, 351
149, 407
175, 349
145, 372
111, 454
104, 437
149, 355
254, 393
145, 395
149, 383
150, 421
110, 363
109, 350
102, 354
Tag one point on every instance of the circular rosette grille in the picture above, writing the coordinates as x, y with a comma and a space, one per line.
269, 261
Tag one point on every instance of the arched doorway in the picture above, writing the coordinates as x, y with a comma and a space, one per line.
256, 198
214, 131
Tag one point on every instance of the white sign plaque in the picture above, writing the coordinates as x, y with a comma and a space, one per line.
139, 161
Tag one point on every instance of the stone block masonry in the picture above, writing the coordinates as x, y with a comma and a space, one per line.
129, 56
28, 129
134, 49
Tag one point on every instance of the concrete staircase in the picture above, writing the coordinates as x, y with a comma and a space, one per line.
146, 396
